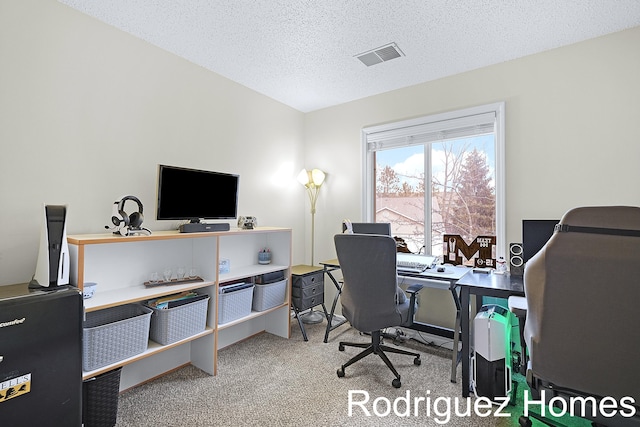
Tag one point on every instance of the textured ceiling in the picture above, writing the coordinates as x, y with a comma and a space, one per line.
302, 52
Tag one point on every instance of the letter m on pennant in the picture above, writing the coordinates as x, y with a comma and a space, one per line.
455, 248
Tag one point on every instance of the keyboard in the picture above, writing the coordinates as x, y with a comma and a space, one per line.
413, 263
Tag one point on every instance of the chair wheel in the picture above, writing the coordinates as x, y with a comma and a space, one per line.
417, 361
524, 421
340, 372
340, 347
396, 383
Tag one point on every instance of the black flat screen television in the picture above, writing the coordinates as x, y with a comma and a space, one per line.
194, 195
535, 234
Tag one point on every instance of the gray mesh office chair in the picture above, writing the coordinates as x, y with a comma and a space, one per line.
371, 298
582, 329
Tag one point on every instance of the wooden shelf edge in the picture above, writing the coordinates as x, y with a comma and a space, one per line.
152, 348
92, 239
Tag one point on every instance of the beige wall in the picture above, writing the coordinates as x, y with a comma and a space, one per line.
87, 112
572, 131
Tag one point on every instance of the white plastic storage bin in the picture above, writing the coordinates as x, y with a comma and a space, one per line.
234, 305
169, 325
269, 295
114, 334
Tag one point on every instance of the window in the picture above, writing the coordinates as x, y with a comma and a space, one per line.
436, 175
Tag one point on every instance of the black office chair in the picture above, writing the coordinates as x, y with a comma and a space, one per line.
581, 329
371, 298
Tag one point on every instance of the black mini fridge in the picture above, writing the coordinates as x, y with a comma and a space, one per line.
40, 356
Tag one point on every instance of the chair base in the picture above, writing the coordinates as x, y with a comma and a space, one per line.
375, 347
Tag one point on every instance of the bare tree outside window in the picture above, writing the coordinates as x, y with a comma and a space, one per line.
387, 182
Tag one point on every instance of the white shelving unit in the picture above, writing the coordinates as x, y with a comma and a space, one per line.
120, 266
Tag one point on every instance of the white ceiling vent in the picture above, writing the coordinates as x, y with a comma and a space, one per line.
380, 54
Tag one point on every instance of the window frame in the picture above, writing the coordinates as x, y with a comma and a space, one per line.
404, 128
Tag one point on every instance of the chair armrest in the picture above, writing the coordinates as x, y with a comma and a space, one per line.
413, 291
518, 306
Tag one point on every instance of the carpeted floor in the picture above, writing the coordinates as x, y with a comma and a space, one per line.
270, 381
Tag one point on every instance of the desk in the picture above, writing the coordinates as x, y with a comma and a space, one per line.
482, 284
429, 278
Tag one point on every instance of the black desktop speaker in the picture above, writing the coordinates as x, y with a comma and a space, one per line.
516, 259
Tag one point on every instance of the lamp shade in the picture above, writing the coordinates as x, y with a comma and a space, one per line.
312, 178
317, 177
303, 177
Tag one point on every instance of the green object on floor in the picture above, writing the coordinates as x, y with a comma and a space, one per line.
518, 409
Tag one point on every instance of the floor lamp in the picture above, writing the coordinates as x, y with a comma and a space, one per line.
312, 181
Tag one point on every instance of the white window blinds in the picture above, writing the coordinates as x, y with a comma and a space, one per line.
438, 128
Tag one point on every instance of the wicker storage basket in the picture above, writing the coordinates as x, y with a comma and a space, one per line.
234, 305
173, 324
269, 295
113, 334
100, 399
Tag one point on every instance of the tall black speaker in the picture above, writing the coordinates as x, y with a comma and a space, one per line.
516, 259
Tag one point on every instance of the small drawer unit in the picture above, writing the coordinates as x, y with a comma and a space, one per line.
307, 290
